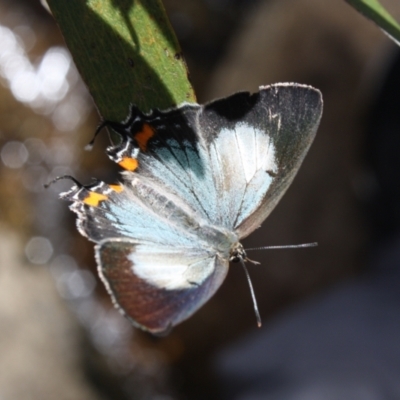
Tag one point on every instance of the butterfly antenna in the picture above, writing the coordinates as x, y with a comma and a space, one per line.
290, 246
89, 146
253, 296
46, 185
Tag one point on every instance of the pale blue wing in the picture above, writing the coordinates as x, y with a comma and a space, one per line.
173, 157
158, 287
143, 211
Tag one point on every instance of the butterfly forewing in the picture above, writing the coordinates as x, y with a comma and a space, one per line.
257, 143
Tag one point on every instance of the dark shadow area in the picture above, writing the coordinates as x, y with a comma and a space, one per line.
125, 6
383, 146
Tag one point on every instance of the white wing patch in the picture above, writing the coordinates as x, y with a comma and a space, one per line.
244, 164
168, 269
256, 149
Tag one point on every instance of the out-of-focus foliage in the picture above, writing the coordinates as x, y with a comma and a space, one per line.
374, 10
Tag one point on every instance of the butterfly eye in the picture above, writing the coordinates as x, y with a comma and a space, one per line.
237, 253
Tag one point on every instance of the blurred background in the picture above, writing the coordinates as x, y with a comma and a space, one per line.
331, 314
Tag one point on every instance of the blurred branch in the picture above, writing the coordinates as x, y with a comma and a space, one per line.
126, 52
374, 10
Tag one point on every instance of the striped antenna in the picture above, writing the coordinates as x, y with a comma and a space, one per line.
289, 246
253, 296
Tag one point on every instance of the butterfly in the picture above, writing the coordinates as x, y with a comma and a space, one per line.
196, 180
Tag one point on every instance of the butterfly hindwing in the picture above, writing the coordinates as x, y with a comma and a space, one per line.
143, 211
158, 287
173, 157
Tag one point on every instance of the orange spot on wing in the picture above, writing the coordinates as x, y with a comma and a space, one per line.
144, 136
130, 164
93, 199
117, 188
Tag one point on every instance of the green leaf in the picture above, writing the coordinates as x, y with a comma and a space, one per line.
126, 52
374, 10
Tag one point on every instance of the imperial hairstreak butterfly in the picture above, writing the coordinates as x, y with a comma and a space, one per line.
197, 179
